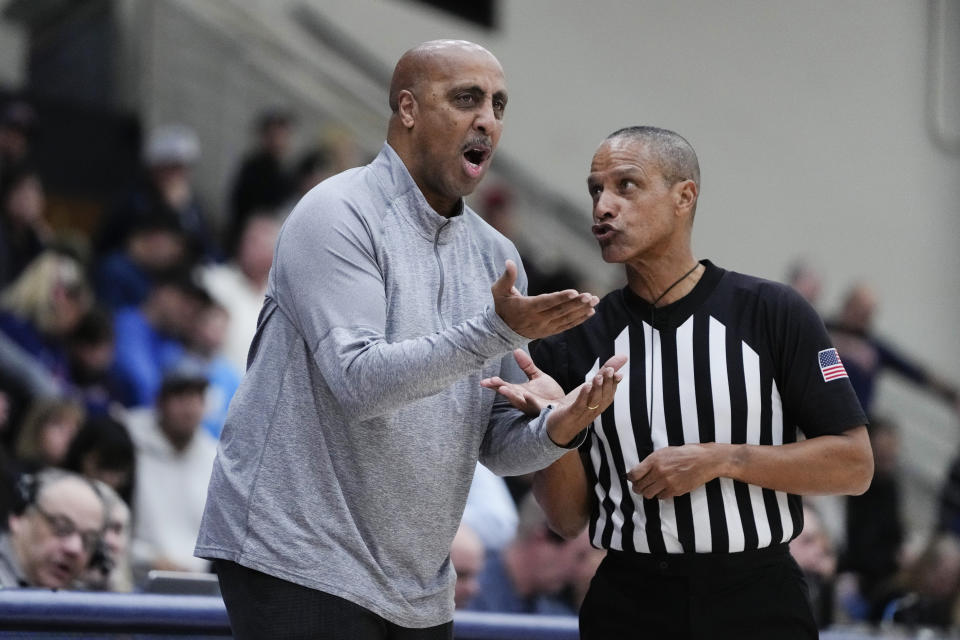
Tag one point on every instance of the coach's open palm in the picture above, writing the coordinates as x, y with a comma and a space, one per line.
573, 411
531, 396
543, 315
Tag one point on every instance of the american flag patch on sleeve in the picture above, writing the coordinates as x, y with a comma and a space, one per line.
830, 366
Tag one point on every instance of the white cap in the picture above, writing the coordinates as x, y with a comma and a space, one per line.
171, 144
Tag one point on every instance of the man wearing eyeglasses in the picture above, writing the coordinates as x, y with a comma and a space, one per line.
54, 531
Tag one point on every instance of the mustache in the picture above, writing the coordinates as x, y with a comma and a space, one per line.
479, 141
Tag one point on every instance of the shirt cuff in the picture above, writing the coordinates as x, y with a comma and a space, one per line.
503, 330
573, 444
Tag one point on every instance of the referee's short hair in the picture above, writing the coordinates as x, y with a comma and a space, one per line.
675, 155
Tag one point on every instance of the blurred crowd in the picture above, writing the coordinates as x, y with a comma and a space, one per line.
120, 352
862, 566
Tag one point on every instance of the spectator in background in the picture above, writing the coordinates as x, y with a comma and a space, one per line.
530, 573
466, 555
583, 573
18, 125
874, 524
91, 351
150, 338
7, 470
262, 183
497, 208
948, 518
42, 307
23, 380
54, 531
205, 352
165, 191
865, 355
313, 167
103, 451
155, 244
816, 556
114, 573
174, 459
241, 284
806, 281
344, 153
490, 512
24, 231
925, 593
46, 433
5, 407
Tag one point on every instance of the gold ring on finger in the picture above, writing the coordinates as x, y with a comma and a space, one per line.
593, 407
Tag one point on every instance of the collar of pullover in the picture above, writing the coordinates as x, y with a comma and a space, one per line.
407, 200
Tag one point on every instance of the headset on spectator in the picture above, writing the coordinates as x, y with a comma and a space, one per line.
26, 492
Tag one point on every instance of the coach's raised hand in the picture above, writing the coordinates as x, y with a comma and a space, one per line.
543, 315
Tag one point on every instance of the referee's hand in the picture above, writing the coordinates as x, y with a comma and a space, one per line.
583, 405
673, 471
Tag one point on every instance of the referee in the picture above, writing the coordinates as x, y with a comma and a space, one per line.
733, 404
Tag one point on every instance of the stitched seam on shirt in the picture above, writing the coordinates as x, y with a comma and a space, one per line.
407, 219
263, 450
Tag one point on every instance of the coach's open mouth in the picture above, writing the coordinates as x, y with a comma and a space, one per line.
474, 158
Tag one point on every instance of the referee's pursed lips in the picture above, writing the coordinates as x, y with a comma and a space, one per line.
603, 231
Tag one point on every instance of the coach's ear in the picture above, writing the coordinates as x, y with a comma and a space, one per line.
407, 108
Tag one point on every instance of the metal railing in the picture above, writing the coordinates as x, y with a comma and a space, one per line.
38, 613
42, 611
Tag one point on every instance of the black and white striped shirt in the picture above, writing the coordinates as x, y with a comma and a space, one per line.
734, 361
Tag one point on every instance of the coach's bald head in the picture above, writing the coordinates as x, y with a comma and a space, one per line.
448, 99
427, 59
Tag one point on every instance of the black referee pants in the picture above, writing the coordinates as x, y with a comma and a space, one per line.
754, 595
262, 606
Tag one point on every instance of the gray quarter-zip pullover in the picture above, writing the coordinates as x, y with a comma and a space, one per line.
349, 448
